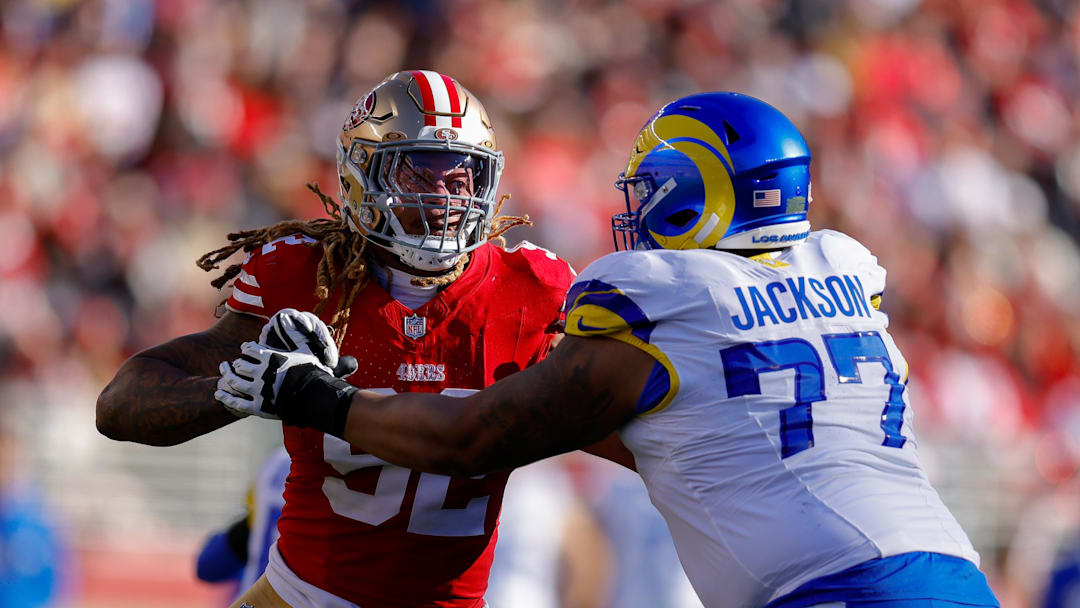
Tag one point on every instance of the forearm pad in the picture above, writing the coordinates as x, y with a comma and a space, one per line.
310, 397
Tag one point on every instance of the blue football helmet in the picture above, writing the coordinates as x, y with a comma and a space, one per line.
715, 171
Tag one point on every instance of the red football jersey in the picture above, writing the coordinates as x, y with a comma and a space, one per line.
372, 533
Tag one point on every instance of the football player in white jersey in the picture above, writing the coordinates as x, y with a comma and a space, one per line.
745, 363
240, 553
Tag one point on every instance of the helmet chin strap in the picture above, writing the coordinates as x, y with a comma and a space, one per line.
412, 260
346, 211
410, 252
424, 260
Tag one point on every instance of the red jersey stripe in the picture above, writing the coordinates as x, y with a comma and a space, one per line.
236, 306
246, 289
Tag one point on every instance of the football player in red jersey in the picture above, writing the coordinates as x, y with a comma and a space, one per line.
444, 311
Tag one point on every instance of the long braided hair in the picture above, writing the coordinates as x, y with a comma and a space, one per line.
344, 264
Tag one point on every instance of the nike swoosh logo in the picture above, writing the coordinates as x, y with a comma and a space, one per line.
584, 327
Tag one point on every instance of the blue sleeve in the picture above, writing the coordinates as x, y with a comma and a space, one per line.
218, 561
1064, 585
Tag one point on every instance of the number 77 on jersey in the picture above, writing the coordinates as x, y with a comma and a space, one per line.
744, 364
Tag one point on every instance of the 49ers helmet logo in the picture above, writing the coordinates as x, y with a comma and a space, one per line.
446, 133
360, 112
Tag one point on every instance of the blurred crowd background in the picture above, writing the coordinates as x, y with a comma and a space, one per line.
134, 134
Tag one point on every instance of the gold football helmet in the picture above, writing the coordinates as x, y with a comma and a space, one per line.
418, 169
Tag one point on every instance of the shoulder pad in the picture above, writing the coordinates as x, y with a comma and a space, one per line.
838, 247
605, 298
624, 296
546, 267
842, 251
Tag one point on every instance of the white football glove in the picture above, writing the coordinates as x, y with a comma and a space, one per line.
292, 330
294, 387
295, 331
251, 384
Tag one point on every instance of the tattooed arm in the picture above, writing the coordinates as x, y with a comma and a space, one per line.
611, 447
164, 395
587, 388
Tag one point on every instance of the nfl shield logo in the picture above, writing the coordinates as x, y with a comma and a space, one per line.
415, 326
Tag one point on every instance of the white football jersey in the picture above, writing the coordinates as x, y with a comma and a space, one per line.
774, 435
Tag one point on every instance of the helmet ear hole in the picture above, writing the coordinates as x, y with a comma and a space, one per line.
682, 218
731, 134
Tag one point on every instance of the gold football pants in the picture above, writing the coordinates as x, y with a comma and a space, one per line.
260, 595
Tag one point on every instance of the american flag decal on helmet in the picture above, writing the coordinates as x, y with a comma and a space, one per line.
767, 198
442, 98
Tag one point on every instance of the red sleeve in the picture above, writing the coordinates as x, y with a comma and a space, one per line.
280, 274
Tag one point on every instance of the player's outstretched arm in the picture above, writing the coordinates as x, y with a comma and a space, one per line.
586, 389
611, 448
164, 395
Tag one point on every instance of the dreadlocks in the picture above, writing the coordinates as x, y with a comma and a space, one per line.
344, 262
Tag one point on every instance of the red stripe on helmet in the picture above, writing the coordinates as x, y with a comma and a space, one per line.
427, 96
455, 99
